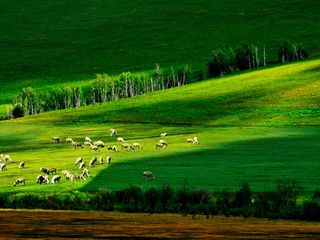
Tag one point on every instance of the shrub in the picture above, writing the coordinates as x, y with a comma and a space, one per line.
17, 111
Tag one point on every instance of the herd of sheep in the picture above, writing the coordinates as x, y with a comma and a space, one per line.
43, 178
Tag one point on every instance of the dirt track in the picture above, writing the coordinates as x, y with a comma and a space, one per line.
78, 225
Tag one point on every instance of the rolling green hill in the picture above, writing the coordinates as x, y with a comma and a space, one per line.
257, 126
53, 42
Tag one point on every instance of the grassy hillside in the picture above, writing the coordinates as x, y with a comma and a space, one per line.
75, 39
244, 124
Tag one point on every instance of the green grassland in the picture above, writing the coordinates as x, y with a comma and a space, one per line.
257, 126
54, 42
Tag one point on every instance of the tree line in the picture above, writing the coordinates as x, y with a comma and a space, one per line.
125, 85
281, 203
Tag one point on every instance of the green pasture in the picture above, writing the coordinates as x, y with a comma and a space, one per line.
257, 126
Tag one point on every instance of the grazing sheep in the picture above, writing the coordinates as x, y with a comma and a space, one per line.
136, 146
148, 174
101, 160
44, 170
78, 161
161, 145
65, 172
120, 140
92, 162
163, 134
87, 139
85, 173
88, 144
82, 165
21, 165
112, 132
69, 176
127, 147
94, 148
113, 148
55, 179
76, 145
189, 140
108, 160
56, 139
18, 181
99, 144
2, 166
52, 170
195, 140
163, 142
69, 140
6, 158
78, 176
42, 179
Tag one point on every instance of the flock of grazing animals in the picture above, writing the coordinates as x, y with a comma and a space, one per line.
43, 178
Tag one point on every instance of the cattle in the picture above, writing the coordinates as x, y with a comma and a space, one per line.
163, 134
148, 174
55, 179
42, 179
18, 181
21, 165
56, 139
112, 132
76, 145
44, 170
78, 161
92, 162
113, 148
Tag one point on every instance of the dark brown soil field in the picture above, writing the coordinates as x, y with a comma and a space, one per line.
25, 224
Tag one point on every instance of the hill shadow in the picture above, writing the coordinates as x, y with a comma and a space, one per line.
260, 162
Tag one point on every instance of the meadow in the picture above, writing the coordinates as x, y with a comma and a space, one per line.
57, 42
257, 126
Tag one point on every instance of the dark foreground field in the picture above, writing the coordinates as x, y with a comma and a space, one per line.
75, 225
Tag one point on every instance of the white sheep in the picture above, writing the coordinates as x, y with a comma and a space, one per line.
101, 160
163, 134
148, 174
94, 148
88, 144
82, 165
42, 179
120, 140
87, 139
163, 142
126, 146
108, 160
69, 140
85, 173
55, 179
136, 146
21, 165
113, 148
189, 140
6, 158
2, 166
112, 132
76, 145
92, 162
18, 181
56, 139
78, 161
195, 140
99, 144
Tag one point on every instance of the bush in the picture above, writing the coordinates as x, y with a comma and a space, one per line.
311, 210
17, 111
243, 196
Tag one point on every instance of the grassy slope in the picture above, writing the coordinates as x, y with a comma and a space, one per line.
56, 41
272, 99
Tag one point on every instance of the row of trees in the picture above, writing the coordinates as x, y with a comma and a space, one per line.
104, 88
282, 203
107, 88
249, 56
